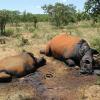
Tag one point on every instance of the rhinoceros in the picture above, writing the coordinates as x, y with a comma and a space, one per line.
19, 65
72, 50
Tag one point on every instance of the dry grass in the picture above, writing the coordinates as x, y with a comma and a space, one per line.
44, 32
82, 29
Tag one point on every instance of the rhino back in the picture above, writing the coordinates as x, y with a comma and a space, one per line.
63, 45
16, 63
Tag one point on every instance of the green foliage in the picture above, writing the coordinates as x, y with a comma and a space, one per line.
60, 14
92, 7
27, 17
49, 36
8, 32
35, 21
82, 16
96, 43
26, 26
15, 17
42, 17
4, 17
31, 30
18, 30
17, 36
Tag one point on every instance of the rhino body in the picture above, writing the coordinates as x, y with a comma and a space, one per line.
19, 65
72, 50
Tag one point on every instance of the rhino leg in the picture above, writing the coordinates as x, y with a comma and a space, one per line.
70, 62
97, 72
4, 77
47, 50
42, 51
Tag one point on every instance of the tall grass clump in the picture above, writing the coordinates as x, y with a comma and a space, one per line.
8, 32
31, 29
50, 36
18, 30
24, 41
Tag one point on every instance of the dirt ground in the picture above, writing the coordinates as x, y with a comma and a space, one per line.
54, 81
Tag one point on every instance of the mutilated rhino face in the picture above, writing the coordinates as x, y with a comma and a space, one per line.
41, 62
38, 61
86, 63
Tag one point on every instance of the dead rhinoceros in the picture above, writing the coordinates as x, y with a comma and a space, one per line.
19, 65
72, 50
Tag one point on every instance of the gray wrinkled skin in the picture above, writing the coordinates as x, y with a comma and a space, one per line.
83, 57
86, 62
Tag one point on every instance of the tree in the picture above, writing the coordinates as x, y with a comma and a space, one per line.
92, 7
82, 16
60, 14
24, 16
14, 17
2, 24
41, 17
35, 21
4, 17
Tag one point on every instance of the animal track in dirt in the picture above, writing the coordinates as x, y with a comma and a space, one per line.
48, 75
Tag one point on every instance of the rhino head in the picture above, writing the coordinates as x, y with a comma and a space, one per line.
87, 62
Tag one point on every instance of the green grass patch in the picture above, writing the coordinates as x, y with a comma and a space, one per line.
8, 32
95, 43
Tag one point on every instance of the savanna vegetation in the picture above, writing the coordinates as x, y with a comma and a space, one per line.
56, 18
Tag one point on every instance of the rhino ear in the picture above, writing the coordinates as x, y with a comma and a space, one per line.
94, 51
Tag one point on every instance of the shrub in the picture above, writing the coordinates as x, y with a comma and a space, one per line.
24, 41
96, 43
17, 36
31, 29
49, 36
9, 32
18, 30
60, 14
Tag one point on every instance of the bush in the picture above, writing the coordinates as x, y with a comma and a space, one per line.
17, 36
26, 26
31, 30
96, 43
24, 41
9, 32
18, 30
50, 36
60, 14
